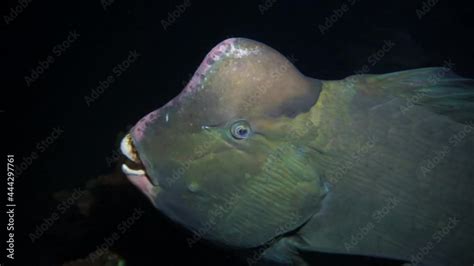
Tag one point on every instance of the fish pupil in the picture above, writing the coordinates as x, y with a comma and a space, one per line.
240, 130
243, 131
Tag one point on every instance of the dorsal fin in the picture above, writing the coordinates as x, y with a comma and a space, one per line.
437, 88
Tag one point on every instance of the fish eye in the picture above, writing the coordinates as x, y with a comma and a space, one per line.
240, 130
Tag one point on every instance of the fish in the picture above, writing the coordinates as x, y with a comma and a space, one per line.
254, 155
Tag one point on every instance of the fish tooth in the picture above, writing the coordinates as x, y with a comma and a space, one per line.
126, 170
127, 149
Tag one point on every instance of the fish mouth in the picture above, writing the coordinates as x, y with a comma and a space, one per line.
134, 166
135, 170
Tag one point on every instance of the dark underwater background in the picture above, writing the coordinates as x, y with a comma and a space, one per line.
77, 75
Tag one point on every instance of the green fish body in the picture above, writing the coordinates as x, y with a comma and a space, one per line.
253, 154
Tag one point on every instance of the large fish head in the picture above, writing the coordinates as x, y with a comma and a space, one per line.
226, 158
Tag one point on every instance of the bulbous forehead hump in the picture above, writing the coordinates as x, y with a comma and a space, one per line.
238, 78
245, 76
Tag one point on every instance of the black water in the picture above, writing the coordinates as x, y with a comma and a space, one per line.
74, 47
